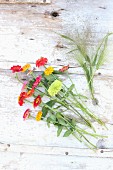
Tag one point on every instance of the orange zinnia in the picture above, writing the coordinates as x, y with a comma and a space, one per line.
26, 67
39, 115
64, 68
30, 92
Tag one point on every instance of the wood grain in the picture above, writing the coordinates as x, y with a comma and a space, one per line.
25, 1
27, 32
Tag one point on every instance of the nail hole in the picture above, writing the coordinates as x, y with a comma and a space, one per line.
102, 7
8, 145
58, 59
33, 6
54, 14
23, 79
101, 151
66, 153
31, 39
99, 74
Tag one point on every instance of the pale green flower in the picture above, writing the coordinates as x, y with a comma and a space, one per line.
55, 87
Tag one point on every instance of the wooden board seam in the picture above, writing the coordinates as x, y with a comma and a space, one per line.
101, 153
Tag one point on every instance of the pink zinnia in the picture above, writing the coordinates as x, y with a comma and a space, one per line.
26, 114
24, 85
38, 80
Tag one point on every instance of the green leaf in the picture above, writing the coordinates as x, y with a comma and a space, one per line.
103, 45
58, 115
72, 51
71, 87
59, 130
53, 117
66, 37
62, 122
51, 103
67, 133
73, 122
48, 122
45, 109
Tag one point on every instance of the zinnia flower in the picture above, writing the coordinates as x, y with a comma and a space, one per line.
26, 114
38, 80
37, 101
30, 92
49, 71
24, 85
21, 98
39, 115
16, 68
41, 62
55, 87
26, 67
64, 68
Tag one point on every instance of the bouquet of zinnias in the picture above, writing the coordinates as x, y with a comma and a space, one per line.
55, 102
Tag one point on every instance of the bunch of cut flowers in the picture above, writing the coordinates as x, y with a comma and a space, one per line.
55, 102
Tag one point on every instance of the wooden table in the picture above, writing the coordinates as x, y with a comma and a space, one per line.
28, 31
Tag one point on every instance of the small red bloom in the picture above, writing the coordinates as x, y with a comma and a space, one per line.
26, 114
64, 68
20, 101
38, 80
16, 68
41, 62
37, 101
30, 92
21, 98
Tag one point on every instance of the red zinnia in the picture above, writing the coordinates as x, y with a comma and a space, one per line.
16, 68
26, 114
21, 98
38, 80
64, 68
37, 101
20, 101
41, 62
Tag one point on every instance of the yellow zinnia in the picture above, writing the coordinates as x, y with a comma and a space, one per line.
26, 67
39, 115
49, 71
55, 87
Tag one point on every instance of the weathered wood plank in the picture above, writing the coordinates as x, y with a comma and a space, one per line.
60, 151
26, 38
26, 33
25, 161
25, 1
37, 133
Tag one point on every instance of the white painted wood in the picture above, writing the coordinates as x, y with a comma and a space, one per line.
37, 133
25, 161
26, 33
25, 1
27, 38
32, 149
